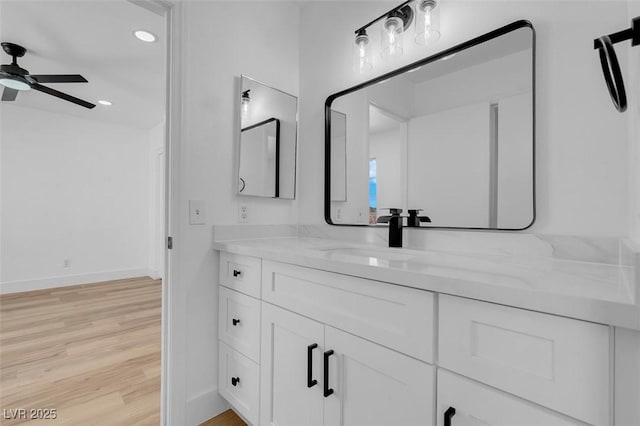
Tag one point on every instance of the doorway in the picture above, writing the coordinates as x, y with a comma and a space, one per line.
83, 203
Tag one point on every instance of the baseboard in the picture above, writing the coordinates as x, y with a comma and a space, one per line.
153, 273
204, 406
68, 280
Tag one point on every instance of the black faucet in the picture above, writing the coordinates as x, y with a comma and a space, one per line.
395, 227
395, 224
413, 221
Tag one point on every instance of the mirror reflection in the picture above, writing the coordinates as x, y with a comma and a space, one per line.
453, 137
268, 119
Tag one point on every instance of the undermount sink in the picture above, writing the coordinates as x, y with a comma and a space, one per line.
383, 254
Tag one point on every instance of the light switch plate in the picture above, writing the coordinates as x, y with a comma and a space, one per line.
197, 212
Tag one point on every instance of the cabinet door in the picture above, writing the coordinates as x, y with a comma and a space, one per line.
373, 385
462, 402
288, 343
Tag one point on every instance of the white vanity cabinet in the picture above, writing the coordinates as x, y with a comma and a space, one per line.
317, 374
333, 349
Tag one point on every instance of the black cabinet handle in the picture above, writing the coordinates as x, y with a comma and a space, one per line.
327, 390
235, 321
235, 381
236, 273
311, 382
448, 415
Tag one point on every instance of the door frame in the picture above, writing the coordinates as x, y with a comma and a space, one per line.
173, 375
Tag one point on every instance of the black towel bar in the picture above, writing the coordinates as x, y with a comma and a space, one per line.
609, 61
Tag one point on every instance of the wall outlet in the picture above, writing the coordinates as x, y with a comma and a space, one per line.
243, 214
361, 216
66, 263
197, 212
339, 213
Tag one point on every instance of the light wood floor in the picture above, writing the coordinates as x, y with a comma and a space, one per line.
228, 418
91, 352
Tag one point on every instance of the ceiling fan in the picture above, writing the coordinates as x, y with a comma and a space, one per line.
15, 79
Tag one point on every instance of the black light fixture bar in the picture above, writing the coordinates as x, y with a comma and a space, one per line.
384, 15
632, 34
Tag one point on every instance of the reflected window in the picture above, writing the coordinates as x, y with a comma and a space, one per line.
373, 193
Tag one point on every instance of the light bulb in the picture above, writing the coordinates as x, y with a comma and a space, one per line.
427, 22
244, 102
392, 29
362, 53
14, 84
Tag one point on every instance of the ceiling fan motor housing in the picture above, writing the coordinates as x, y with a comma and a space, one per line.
13, 49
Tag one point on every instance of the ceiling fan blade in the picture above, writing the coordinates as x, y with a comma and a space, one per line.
9, 94
52, 92
59, 78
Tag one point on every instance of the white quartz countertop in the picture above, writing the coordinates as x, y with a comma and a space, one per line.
601, 293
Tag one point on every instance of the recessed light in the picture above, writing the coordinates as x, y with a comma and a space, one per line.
103, 102
145, 35
448, 57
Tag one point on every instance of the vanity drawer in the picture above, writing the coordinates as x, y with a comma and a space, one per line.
397, 317
239, 382
557, 362
241, 273
239, 322
478, 405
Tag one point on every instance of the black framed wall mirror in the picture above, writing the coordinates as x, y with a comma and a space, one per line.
267, 145
452, 134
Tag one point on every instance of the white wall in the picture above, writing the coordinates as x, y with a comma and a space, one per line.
72, 189
355, 209
514, 162
632, 83
222, 40
445, 160
581, 141
156, 204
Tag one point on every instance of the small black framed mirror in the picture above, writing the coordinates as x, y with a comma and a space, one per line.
267, 141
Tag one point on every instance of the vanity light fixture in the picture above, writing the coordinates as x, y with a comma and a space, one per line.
395, 23
145, 36
362, 54
427, 22
391, 38
246, 99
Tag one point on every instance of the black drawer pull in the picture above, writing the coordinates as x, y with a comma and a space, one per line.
310, 380
236, 273
327, 390
235, 321
235, 381
448, 414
